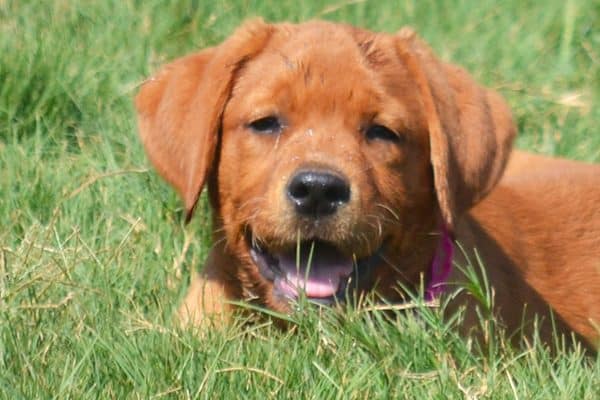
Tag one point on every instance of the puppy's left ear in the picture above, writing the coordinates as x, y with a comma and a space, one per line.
179, 110
470, 128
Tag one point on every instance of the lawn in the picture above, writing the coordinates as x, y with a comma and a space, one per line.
94, 255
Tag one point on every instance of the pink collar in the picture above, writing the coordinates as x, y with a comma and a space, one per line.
441, 266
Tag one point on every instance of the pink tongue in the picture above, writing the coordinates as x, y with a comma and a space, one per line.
318, 275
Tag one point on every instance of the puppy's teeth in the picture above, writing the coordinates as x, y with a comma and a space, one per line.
255, 244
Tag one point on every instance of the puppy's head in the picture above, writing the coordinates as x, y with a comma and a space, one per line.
332, 154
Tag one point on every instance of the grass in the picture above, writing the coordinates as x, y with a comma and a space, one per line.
94, 256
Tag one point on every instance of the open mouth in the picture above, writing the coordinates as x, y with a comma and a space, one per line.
313, 267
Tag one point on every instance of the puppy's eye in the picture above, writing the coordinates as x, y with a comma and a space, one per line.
270, 124
382, 133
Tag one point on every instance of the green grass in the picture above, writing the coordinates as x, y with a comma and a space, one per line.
94, 256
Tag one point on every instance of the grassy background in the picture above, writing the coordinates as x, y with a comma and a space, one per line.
94, 256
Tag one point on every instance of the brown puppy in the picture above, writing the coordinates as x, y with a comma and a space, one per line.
339, 160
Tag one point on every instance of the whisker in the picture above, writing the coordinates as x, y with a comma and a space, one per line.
391, 222
250, 202
218, 242
393, 266
387, 208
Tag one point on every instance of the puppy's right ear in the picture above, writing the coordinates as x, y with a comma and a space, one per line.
179, 110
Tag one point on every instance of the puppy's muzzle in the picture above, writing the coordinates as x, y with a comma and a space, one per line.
317, 193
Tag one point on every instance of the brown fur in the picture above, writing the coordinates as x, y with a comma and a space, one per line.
538, 230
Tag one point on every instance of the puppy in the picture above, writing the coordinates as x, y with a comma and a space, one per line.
340, 161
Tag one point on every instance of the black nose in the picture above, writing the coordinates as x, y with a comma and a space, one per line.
317, 194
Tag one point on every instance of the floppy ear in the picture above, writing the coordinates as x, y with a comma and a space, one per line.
470, 128
179, 109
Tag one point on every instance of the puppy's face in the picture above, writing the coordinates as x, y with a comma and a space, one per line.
324, 169
331, 154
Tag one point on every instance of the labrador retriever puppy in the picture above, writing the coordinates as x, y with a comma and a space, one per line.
342, 162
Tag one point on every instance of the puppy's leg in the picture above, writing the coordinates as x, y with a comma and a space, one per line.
205, 303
